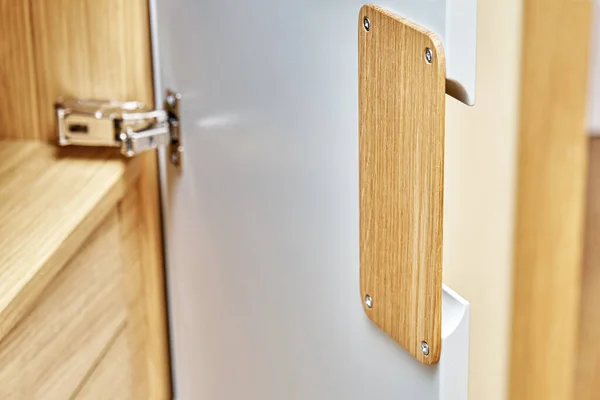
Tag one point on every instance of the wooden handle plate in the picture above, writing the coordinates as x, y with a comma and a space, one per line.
401, 148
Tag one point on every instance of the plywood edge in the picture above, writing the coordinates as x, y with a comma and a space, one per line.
153, 279
402, 79
141, 234
25, 277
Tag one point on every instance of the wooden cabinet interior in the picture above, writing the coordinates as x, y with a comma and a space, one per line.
93, 49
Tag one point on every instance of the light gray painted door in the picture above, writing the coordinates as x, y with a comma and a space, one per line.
262, 224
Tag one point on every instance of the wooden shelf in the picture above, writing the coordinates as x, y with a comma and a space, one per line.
51, 199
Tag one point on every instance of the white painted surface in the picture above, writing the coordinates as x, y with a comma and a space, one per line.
594, 80
460, 46
454, 360
262, 225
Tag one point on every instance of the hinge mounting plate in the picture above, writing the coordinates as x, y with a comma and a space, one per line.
128, 125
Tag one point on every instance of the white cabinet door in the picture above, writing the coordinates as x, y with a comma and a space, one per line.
262, 224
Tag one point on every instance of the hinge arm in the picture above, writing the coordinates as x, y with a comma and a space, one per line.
128, 125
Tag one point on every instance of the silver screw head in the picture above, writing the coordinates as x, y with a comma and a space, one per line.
367, 23
171, 100
425, 348
428, 55
368, 301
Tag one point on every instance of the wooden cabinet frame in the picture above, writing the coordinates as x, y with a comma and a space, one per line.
548, 324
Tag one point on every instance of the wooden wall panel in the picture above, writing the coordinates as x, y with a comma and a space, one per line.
18, 100
552, 165
90, 48
98, 49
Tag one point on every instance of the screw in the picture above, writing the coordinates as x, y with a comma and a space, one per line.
428, 55
367, 24
175, 158
425, 348
171, 100
368, 301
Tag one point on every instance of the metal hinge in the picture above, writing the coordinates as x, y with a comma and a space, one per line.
128, 125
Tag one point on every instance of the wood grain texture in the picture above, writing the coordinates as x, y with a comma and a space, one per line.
101, 49
18, 103
113, 377
138, 333
401, 139
62, 195
126, 371
52, 199
551, 189
149, 233
91, 49
129, 369
49, 352
587, 379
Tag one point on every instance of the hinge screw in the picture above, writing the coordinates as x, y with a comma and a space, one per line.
368, 301
428, 55
171, 100
367, 24
425, 348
